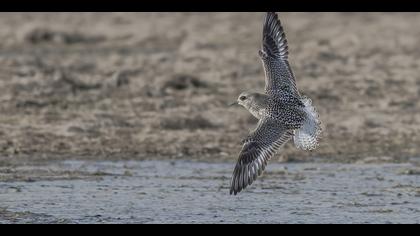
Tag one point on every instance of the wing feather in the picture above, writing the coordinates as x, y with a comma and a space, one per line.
279, 77
257, 150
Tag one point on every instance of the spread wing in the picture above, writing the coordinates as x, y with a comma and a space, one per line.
279, 77
257, 149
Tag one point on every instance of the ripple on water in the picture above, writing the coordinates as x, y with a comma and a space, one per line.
198, 192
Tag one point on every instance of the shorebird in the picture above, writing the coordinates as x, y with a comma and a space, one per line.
282, 112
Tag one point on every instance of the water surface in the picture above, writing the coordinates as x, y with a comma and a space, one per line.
198, 192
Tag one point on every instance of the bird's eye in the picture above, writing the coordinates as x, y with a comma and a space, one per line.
242, 98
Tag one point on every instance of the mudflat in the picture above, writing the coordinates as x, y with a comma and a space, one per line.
198, 192
121, 90
157, 85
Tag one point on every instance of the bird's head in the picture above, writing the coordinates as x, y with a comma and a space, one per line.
246, 99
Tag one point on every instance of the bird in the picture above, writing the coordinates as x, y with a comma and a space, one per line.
282, 112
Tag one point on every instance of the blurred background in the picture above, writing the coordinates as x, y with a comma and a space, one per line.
156, 86
152, 85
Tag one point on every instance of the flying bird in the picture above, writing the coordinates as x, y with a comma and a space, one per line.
281, 111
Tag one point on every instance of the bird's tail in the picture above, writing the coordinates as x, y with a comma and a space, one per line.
307, 136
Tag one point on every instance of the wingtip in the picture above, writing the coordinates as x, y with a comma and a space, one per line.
274, 37
272, 15
235, 192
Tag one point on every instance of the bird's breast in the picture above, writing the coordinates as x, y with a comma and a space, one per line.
257, 112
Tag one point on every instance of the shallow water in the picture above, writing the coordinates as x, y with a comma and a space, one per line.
197, 192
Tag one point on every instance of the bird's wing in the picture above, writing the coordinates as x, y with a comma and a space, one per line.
257, 149
279, 77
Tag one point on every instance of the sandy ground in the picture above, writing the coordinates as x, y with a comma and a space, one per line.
136, 86
152, 85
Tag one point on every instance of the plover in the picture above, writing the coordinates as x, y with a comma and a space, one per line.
282, 112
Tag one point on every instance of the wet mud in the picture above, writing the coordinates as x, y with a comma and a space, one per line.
198, 192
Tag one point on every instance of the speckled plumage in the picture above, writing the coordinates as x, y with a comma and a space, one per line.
281, 111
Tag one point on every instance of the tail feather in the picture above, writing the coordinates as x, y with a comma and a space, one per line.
307, 136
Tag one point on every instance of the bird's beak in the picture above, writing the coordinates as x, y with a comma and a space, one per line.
234, 103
